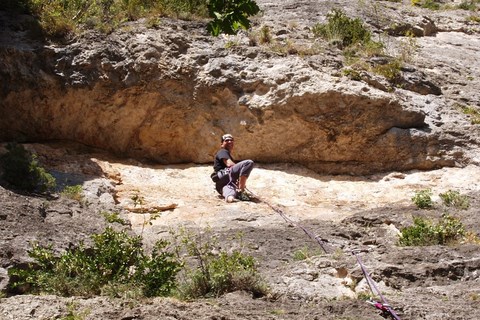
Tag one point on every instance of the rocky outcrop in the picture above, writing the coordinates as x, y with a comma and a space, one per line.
168, 94
362, 213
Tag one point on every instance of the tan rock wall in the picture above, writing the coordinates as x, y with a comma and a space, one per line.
329, 131
168, 95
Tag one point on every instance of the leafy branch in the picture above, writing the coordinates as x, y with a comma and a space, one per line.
229, 16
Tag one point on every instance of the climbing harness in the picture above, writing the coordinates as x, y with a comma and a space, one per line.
224, 172
242, 196
383, 306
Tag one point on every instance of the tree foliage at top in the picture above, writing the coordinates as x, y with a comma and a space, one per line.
61, 18
229, 16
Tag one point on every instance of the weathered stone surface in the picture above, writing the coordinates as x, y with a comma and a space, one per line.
347, 212
168, 94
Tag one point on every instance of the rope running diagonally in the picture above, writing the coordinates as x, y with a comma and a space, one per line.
384, 307
293, 223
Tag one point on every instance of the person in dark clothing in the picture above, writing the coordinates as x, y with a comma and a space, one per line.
232, 177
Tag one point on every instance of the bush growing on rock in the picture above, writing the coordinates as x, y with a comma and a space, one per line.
423, 199
423, 232
453, 198
217, 272
471, 5
342, 30
115, 265
22, 170
73, 192
60, 18
472, 112
427, 4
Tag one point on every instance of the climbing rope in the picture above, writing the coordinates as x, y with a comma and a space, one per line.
319, 240
383, 306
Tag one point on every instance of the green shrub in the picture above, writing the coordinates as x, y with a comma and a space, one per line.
448, 230
22, 170
473, 113
455, 199
73, 192
390, 70
474, 19
342, 30
157, 274
423, 199
74, 314
113, 217
115, 259
195, 7
470, 5
218, 273
427, 4
352, 74
59, 18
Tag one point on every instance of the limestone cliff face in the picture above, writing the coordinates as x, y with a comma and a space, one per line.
168, 94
